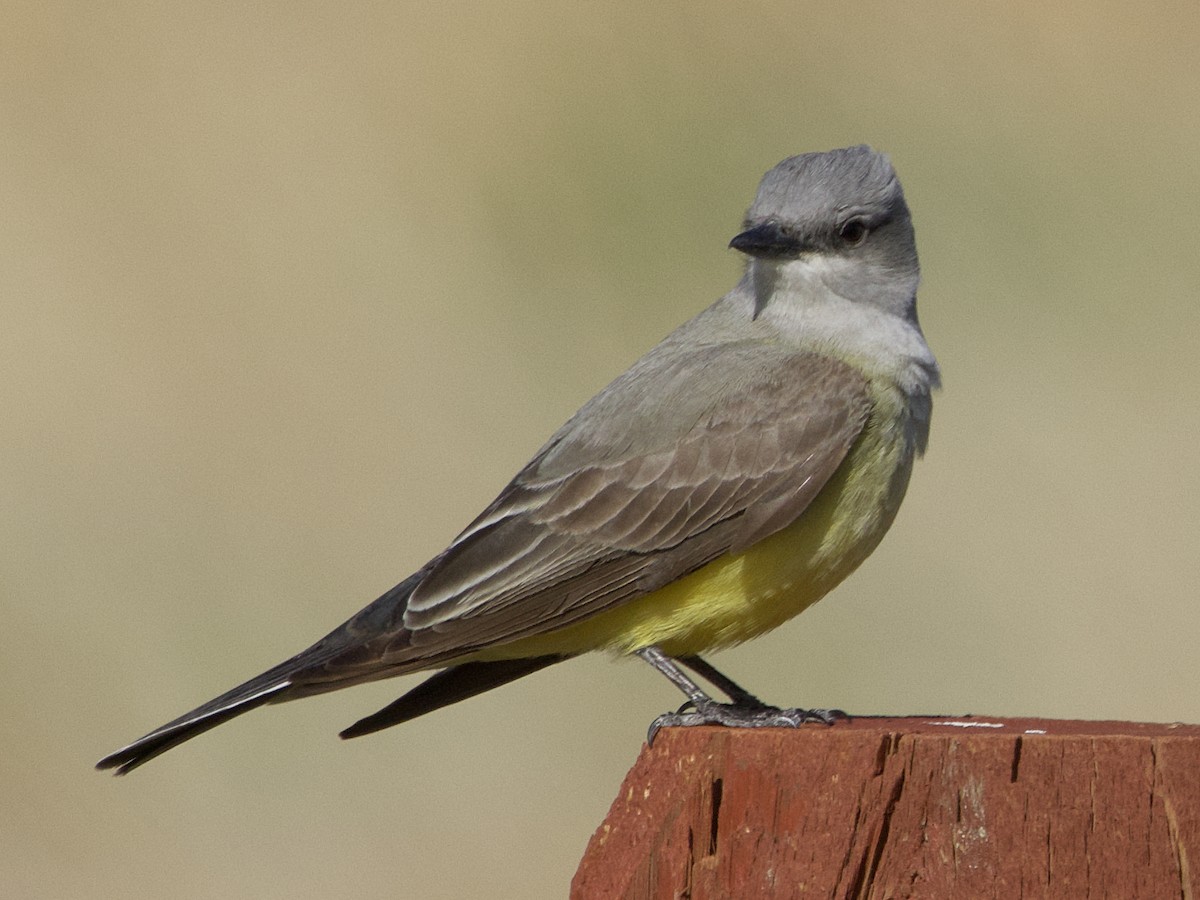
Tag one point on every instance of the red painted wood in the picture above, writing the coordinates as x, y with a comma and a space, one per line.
906, 808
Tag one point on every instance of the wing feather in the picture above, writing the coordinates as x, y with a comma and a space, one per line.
640, 510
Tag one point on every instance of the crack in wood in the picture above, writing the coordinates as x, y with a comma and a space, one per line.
865, 877
1178, 844
1085, 810
718, 786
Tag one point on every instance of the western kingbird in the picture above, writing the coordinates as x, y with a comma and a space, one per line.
731, 478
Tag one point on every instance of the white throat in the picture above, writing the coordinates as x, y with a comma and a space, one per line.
797, 300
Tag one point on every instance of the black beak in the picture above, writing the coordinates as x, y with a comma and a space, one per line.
770, 240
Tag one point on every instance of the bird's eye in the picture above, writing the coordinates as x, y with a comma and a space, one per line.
854, 231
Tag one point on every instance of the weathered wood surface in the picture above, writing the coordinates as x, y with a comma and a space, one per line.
906, 808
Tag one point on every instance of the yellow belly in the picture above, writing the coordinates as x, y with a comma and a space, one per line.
740, 596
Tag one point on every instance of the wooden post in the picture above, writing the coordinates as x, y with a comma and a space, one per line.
906, 808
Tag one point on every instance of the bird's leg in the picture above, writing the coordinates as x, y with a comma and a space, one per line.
745, 710
667, 667
746, 700
734, 691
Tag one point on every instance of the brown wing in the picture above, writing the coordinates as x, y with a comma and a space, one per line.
648, 482
644, 485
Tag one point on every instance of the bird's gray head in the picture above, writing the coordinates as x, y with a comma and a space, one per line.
836, 221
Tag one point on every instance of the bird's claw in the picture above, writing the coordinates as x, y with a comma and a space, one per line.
733, 715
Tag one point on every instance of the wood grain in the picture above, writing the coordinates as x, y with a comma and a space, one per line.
906, 808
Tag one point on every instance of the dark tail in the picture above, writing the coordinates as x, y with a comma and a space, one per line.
449, 686
342, 658
301, 676
243, 698
446, 687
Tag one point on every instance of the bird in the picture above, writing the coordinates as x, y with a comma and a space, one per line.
729, 479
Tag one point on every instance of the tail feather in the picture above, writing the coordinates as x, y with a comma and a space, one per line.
245, 697
331, 664
303, 675
449, 686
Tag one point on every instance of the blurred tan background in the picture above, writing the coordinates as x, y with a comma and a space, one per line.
288, 291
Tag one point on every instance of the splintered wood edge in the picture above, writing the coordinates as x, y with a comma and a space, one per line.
661, 832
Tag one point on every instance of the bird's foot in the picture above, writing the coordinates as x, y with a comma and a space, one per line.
740, 715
